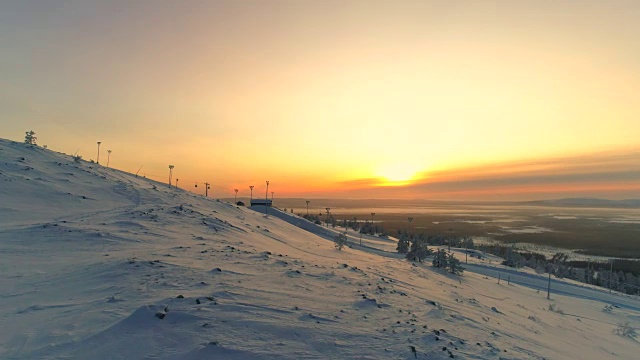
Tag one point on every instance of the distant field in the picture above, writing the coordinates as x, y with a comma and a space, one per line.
591, 231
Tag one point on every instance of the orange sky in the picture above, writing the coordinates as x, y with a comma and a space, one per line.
465, 100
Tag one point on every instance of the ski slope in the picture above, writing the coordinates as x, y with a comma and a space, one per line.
99, 264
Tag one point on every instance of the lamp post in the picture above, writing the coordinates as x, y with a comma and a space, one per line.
266, 193
177, 182
466, 252
108, 156
98, 158
170, 174
235, 200
251, 188
327, 219
308, 207
272, 196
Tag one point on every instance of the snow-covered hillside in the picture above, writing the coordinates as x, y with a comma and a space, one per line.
96, 263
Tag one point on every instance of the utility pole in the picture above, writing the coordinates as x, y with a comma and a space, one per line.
206, 189
327, 219
611, 276
98, 159
108, 157
266, 197
250, 199
466, 252
372, 228
170, 174
308, 207
235, 200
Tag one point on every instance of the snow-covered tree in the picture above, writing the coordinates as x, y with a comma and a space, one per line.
513, 259
418, 250
440, 259
454, 265
30, 137
340, 241
403, 243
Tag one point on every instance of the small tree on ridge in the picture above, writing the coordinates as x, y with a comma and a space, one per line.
30, 137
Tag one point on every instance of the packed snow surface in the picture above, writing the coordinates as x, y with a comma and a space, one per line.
99, 264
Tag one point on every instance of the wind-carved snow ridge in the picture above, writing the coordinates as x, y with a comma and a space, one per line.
100, 264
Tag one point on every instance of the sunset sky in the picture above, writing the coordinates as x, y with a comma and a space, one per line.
477, 100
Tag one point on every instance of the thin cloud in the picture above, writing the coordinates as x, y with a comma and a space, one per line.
606, 174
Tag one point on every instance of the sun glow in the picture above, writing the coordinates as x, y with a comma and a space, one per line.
398, 173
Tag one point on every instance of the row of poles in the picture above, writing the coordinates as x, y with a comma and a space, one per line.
208, 187
108, 156
171, 167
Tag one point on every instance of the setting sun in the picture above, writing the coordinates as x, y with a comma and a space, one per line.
398, 173
408, 99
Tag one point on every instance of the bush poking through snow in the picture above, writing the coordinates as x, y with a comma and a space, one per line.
556, 309
340, 241
624, 329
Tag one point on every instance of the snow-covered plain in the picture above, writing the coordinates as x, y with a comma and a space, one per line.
96, 263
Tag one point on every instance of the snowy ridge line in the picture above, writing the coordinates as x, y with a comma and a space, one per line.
177, 289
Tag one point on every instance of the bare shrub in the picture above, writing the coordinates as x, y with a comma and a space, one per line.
625, 329
556, 309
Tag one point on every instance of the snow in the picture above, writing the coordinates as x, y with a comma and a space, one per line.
526, 229
97, 263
